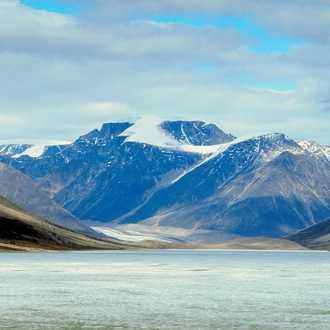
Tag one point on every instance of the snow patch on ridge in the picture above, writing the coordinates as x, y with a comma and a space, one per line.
34, 152
200, 149
37, 149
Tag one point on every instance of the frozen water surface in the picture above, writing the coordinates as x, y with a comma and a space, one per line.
165, 289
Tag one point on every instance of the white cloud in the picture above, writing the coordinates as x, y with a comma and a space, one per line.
102, 109
303, 18
63, 76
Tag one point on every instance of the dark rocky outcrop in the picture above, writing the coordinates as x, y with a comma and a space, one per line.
22, 230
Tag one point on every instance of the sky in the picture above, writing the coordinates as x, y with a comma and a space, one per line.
67, 66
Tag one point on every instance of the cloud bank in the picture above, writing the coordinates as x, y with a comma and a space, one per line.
247, 66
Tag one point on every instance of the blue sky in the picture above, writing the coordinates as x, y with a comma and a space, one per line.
259, 38
246, 66
53, 6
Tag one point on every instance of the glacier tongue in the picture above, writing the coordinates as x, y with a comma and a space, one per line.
33, 149
147, 130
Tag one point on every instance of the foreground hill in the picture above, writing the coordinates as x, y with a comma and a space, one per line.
22, 230
314, 237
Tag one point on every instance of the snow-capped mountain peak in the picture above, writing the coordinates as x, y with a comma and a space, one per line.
270, 145
267, 145
315, 149
190, 136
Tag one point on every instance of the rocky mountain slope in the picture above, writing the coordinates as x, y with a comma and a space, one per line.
23, 191
314, 237
183, 174
266, 185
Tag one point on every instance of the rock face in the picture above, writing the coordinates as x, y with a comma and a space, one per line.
184, 174
195, 132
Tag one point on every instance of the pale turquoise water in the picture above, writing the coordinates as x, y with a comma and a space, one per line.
165, 290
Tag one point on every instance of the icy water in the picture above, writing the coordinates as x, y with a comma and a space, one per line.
161, 289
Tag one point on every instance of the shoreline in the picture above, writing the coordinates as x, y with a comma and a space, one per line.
247, 243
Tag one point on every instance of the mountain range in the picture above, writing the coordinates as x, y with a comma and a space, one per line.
181, 174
